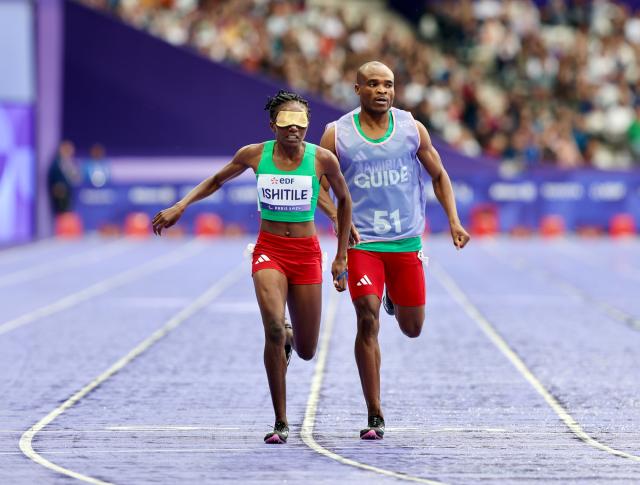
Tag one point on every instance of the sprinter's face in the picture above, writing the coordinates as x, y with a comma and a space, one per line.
376, 89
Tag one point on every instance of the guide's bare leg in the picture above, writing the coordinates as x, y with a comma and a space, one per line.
367, 350
410, 319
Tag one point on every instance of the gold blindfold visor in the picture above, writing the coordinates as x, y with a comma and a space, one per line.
288, 118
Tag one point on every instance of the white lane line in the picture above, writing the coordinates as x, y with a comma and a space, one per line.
170, 428
26, 440
472, 311
161, 262
520, 264
470, 430
133, 451
314, 396
94, 255
129, 429
412, 429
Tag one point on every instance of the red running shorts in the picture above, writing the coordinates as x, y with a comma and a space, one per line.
298, 258
403, 274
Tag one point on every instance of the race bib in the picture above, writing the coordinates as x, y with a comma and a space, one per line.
285, 193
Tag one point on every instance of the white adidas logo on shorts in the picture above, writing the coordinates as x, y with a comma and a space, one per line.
364, 281
262, 258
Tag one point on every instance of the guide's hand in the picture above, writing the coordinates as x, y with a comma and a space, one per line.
459, 235
166, 218
339, 272
354, 235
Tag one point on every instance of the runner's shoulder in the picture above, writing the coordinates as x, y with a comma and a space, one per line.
328, 140
322, 154
330, 128
250, 153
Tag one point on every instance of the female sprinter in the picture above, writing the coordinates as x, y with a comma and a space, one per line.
287, 261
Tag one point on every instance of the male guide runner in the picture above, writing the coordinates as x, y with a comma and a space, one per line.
385, 156
287, 261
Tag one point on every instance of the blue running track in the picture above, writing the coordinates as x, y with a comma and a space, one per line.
140, 362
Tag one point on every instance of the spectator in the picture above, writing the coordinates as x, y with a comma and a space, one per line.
96, 168
488, 74
61, 177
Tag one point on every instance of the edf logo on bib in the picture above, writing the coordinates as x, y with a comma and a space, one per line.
281, 180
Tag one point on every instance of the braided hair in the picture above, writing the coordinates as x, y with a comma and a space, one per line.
284, 97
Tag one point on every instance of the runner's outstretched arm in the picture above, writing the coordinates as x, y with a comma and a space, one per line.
238, 164
430, 158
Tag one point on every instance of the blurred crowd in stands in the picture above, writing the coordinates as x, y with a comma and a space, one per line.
552, 83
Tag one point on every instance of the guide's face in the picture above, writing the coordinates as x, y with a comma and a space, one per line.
290, 126
376, 90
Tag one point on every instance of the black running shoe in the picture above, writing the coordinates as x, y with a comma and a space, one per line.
288, 348
375, 430
387, 304
279, 434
